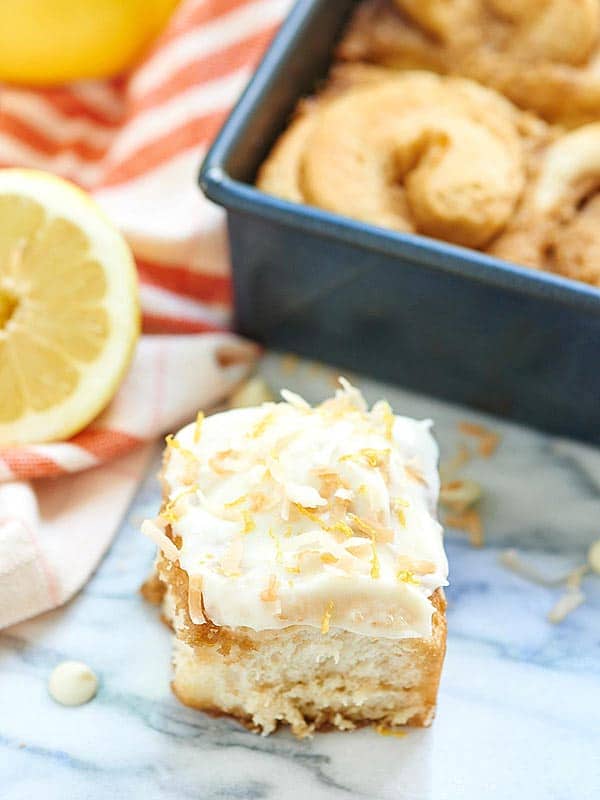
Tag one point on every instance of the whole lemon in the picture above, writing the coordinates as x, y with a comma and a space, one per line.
49, 42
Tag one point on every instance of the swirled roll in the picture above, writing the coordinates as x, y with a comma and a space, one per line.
557, 227
409, 151
544, 55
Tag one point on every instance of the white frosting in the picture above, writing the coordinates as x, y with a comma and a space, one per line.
288, 515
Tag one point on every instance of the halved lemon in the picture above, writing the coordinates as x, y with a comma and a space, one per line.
49, 42
69, 310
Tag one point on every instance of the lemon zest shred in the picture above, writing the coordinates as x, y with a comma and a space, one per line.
374, 458
398, 506
327, 618
198, 426
261, 425
237, 502
277, 543
383, 730
249, 524
375, 570
388, 420
406, 576
329, 558
339, 525
170, 511
173, 444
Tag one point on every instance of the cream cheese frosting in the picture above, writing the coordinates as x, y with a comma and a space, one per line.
285, 514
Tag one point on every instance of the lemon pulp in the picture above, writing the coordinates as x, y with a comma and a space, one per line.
67, 301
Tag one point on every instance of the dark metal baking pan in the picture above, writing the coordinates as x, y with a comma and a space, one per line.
404, 308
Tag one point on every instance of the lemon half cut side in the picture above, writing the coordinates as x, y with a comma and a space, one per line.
69, 309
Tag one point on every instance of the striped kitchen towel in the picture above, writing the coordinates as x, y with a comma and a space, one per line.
136, 144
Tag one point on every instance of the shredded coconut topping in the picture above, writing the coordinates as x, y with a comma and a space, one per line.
304, 507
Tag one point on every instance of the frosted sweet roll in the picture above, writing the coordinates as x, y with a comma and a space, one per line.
303, 564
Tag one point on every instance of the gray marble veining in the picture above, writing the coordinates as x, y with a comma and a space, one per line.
519, 712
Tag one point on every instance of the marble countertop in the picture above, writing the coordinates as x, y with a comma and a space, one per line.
519, 705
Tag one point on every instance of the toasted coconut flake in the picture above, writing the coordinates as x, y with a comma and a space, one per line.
198, 427
306, 496
327, 617
576, 575
359, 548
415, 474
460, 494
488, 440
415, 565
448, 469
565, 605
231, 561
216, 462
594, 556
258, 501
331, 483
511, 560
470, 522
294, 400
406, 576
351, 393
373, 530
269, 595
155, 531
253, 392
288, 531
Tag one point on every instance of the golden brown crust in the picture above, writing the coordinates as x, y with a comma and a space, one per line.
153, 590
441, 156
261, 679
216, 647
544, 60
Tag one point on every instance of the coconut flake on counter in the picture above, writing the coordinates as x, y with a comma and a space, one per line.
488, 440
253, 392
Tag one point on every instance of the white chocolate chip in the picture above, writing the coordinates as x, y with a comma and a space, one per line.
72, 683
594, 556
